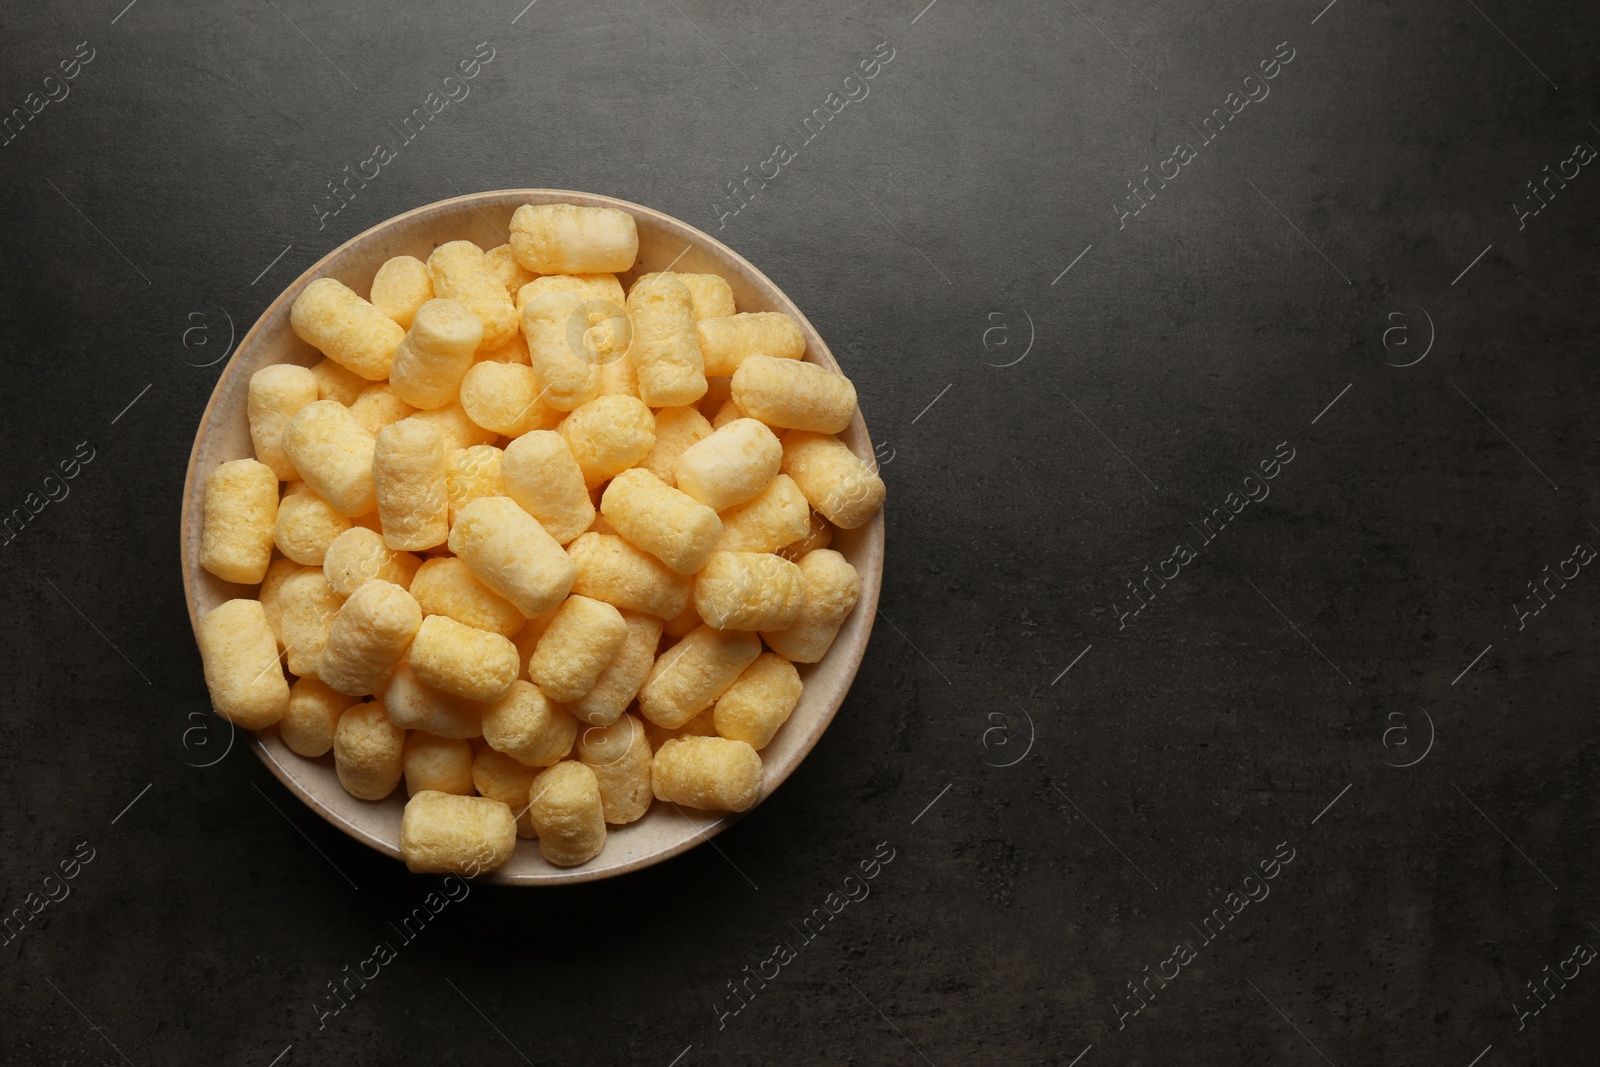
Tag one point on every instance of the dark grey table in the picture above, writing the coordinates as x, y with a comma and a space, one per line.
1232, 369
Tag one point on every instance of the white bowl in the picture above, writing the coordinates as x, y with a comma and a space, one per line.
484, 218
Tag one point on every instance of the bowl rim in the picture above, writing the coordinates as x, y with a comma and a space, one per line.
816, 346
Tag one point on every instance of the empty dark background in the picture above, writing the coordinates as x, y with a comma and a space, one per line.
1359, 619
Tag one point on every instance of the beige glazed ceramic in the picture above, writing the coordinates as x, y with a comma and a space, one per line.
484, 218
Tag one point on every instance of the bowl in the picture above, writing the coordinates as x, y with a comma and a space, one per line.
484, 218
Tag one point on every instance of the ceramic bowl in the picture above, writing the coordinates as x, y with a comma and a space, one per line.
484, 218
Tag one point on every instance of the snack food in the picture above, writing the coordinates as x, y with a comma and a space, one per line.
276, 393
568, 239
619, 755
441, 833
839, 484
793, 394
749, 591
727, 341
438, 763
306, 526
541, 474
566, 810
538, 513
241, 513
577, 645
307, 605
529, 727
346, 328
333, 453
400, 287
707, 772
693, 673
435, 354
666, 345
759, 702
240, 658
832, 588
667, 523
368, 752
368, 636
472, 664
507, 550
730, 467
460, 271
313, 715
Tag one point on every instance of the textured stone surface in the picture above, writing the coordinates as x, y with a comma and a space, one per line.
925, 232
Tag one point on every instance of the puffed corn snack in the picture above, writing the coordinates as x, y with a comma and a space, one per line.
543, 538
